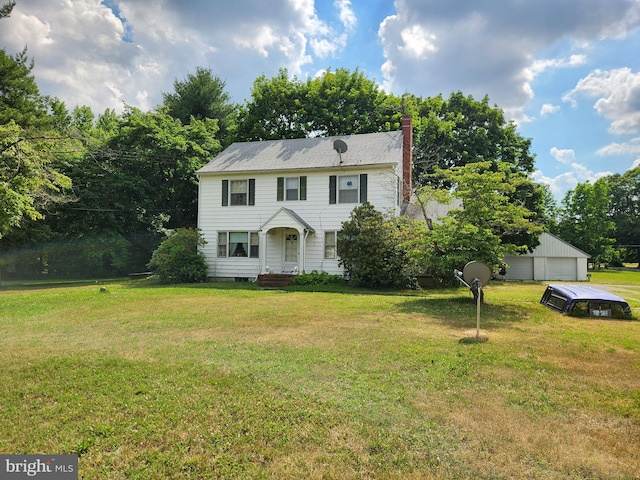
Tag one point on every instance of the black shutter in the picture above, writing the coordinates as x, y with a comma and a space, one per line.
225, 193
252, 191
303, 188
332, 189
280, 194
363, 187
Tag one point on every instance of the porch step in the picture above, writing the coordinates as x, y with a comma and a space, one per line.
274, 280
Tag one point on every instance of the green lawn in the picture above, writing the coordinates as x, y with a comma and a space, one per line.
227, 381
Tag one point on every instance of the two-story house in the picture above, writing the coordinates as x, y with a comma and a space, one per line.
276, 206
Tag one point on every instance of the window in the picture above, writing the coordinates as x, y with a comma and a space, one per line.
222, 244
254, 245
330, 244
348, 188
238, 192
291, 188
238, 244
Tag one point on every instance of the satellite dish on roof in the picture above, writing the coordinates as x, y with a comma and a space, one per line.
479, 270
340, 146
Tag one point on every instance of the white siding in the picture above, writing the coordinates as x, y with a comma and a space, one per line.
382, 192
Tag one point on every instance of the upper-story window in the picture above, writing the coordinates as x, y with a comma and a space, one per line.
238, 192
292, 188
348, 188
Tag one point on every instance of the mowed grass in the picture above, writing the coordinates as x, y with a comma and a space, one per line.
227, 381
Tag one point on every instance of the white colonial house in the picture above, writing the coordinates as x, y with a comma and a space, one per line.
276, 206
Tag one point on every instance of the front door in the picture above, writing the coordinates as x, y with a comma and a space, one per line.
290, 252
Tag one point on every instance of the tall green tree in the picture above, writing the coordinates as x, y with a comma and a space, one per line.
585, 221
342, 102
20, 98
141, 179
6, 8
200, 95
483, 227
624, 210
30, 180
277, 110
462, 130
337, 102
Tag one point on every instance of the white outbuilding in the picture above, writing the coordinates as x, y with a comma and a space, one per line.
553, 259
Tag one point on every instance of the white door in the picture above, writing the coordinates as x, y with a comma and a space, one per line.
290, 252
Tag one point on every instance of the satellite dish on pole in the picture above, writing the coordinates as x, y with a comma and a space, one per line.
479, 270
475, 275
340, 146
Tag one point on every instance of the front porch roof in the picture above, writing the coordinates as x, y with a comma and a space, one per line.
286, 218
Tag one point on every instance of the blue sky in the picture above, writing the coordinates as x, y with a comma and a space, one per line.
567, 71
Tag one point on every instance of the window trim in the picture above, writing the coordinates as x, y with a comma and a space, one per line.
252, 244
250, 192
334, 188
333, 245
282, 191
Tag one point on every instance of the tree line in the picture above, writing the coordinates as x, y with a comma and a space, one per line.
94, 195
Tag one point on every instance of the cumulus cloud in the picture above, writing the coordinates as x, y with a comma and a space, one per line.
618, 97
548, 109
631, 147
493, 48
106, 53
568, 180
563, 155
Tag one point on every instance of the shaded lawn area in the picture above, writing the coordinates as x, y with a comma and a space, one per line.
227, 381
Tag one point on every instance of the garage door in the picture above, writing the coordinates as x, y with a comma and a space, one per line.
520, 268
561, 269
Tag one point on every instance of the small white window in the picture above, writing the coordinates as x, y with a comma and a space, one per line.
222, 244
329, 245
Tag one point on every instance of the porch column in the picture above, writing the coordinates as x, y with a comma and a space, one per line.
262, 245
303, 233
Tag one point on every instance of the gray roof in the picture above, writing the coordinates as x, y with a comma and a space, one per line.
306, 153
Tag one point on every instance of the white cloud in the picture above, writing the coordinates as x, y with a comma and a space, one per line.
541, 65
347, 17
628, 148
636, 164
417, 42
437, 47
548, 109
618, 94
562, 183
86, 54
563, 155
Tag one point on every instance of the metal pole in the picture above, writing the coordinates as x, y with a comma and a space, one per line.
478, 311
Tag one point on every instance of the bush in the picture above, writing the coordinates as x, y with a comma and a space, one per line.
316, 278
374, 250
178, 260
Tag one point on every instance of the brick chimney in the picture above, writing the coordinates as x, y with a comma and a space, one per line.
407, 162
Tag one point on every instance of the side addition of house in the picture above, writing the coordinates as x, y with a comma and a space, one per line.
276, 206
